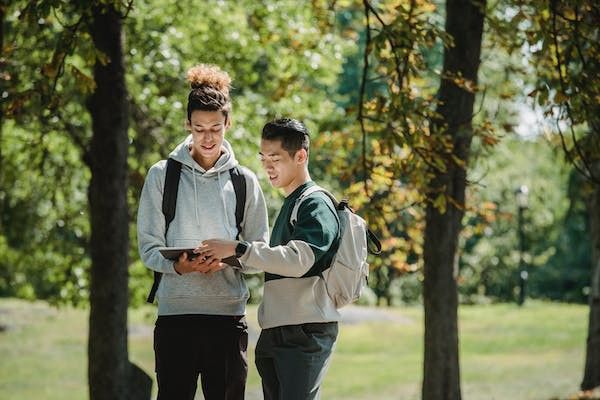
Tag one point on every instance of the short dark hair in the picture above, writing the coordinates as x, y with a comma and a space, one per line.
292, 133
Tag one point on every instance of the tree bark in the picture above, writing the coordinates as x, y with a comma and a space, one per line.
2, 67
591, 378
2, 16
441, 375
109, 369
3, 199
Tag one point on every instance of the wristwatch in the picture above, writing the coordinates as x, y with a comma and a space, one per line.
241, 248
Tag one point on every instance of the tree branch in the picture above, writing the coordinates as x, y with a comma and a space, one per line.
70, 39
588, 174
361, 100
129, 7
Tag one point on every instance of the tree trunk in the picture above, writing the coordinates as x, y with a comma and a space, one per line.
3, 199
441, 372
591, 378
2, 85
109, 372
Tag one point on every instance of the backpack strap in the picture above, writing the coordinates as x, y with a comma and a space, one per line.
303, 196
169, 202
371, 238
374, 248
239, 186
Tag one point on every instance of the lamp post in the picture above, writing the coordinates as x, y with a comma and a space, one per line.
522, 197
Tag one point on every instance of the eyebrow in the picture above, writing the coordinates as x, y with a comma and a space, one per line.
209, 124
269, 155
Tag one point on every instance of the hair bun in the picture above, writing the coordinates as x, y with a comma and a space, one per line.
209, 75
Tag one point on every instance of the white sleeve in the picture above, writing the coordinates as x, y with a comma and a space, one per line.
291, 260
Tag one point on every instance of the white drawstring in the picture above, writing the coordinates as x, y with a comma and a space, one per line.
221, 193
195, 194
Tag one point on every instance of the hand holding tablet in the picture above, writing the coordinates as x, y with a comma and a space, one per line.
173, 253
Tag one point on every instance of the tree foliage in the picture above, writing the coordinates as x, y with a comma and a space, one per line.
563, 39
556, 245
281, 64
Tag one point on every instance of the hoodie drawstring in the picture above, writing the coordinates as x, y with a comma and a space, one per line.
195, 194
221, 193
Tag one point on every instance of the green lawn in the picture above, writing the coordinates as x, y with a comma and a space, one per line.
534, 352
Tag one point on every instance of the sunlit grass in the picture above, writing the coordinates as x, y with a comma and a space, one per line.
507, 352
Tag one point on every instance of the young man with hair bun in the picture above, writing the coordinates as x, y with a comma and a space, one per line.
201, 328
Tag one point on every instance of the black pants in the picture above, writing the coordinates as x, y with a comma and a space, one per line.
212, 346
292, 360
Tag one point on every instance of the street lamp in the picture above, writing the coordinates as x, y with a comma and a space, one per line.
522, 197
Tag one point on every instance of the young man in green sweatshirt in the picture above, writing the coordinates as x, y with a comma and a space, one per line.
298, 319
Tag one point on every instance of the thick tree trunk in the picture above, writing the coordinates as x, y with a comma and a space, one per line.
2, 16
2, 86
109, 372
591, 378
441, 375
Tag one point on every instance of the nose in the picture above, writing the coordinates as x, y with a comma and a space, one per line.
206, 137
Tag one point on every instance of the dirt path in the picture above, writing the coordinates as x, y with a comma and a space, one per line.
350, 315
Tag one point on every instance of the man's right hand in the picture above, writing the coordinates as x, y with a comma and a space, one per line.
199, 264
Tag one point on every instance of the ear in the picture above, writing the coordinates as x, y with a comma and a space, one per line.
301, 156
228, 122
188, 125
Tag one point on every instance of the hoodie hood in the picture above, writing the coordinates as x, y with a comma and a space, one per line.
225, 162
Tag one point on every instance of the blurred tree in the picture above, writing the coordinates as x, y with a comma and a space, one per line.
489, 244
565, 276
415, 148
569, 90
98, 26
44, 220
110, 374
164, 38
3, 80
373, 160
464, 23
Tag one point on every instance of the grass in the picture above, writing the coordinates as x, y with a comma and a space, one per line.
535, 352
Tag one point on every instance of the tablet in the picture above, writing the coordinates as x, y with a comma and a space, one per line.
172, 253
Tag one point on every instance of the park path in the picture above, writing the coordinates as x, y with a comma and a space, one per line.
350, 315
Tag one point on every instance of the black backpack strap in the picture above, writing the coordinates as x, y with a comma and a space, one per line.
375, 240
239, 186
169, 201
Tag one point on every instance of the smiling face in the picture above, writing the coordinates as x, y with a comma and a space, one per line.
208, 131
284, 170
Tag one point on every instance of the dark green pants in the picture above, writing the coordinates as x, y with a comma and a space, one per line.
292, 360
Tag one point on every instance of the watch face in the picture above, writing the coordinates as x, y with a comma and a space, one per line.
240, 249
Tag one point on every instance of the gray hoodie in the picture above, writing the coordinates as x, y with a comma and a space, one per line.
205, 209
